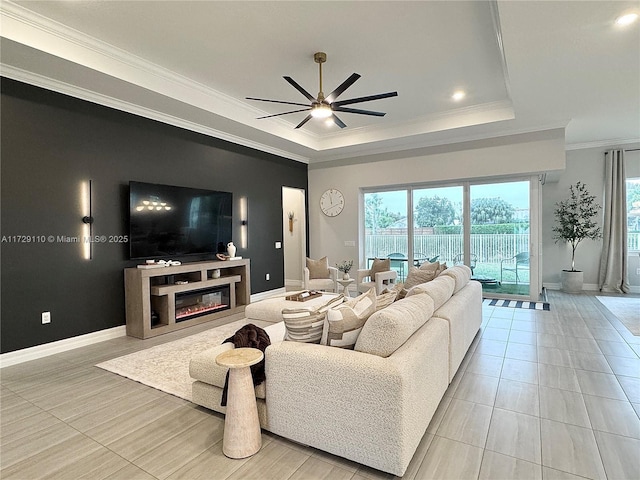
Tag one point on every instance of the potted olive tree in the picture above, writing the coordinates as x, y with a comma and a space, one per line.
574, 223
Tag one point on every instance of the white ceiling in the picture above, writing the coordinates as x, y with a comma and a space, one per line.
525, 65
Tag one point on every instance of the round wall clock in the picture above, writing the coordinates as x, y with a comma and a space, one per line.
332, 202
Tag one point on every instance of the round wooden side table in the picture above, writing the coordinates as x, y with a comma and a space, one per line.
242, 434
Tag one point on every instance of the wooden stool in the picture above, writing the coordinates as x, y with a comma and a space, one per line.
242, 434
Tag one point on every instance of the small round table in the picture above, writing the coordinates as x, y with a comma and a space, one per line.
345, 285
242, 435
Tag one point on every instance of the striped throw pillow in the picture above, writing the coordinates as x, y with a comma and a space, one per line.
344, 323
305, 324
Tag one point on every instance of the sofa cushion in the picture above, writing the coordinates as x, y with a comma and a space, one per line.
318, 268
440, 290
461, 274
306, 324
388, 329
344, 323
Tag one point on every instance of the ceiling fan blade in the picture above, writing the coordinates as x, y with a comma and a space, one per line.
341, 88
300, 89
337, 121
364, 99
283, 113
361, 112
277, 101
306, 119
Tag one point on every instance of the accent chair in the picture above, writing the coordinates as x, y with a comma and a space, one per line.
379, 276
318, 275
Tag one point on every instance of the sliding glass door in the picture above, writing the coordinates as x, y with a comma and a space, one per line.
438, 225
487, 226
386, 233
499, 239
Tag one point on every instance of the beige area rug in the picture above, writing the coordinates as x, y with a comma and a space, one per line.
626, 309
166, 366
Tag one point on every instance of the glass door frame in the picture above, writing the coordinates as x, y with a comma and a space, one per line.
535, 234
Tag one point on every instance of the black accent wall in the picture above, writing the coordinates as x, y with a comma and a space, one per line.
51, 143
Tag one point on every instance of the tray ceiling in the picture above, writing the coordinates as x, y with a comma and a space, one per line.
525, 66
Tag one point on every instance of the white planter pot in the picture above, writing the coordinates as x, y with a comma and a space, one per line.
572, 281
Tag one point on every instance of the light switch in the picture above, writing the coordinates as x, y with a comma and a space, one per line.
278, 244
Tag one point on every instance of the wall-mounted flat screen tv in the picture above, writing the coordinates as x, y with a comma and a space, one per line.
171, 221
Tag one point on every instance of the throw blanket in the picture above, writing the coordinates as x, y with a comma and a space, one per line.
249, 336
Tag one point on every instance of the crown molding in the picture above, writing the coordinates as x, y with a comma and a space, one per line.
107, 101
614, 142
43, 34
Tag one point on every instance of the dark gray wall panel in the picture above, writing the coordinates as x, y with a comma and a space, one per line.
50, 144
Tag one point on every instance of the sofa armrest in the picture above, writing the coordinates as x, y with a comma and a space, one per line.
333, 274
306, 278
361, 274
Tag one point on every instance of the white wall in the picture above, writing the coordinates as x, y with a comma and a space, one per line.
506, 156
587, 166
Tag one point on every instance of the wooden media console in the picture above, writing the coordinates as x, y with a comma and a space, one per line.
163, 299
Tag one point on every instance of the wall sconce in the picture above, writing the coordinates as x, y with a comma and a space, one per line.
87, 220
244, 222
291, 221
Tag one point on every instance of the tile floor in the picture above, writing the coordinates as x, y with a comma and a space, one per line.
540, 395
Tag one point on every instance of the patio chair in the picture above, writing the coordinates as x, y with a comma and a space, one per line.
397, 263
518, 262
420, 258
473, 261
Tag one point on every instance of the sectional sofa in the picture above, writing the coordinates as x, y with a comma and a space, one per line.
371, 404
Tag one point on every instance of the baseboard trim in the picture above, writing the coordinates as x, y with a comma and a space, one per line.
590, 287
40, 351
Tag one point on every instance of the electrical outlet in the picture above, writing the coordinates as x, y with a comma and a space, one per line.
637, 271
46, 317
349, 243
278, 244
267, 277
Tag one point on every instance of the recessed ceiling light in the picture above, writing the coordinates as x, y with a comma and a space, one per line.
627, 19
459, 95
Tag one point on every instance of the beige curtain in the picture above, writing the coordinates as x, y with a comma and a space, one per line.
613, 261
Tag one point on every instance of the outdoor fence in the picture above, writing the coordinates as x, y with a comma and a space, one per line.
488, 247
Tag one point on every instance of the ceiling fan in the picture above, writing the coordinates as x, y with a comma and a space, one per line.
325, 107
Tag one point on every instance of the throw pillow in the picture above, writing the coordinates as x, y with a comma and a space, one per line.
318, 268
442, 268
399, 290
379, 265
306, 324
420, 275
385, 299
344, 323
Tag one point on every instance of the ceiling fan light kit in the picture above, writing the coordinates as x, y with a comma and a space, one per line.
325, 107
